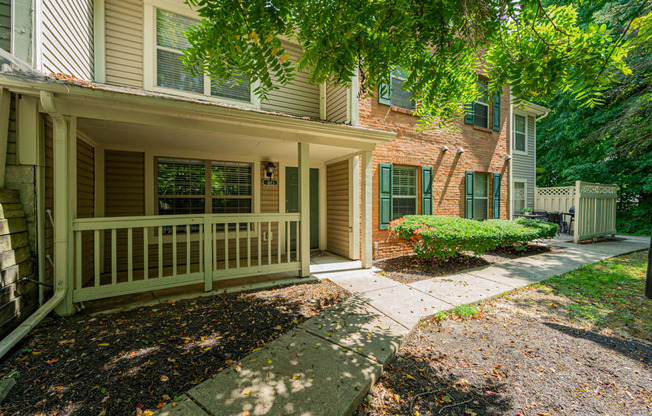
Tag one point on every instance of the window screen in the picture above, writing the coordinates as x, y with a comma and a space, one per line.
480, 107
404, 184
231, 187
400, 97
519, 197
481, 196
519, 132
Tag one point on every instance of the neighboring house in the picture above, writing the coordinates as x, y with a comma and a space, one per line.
524, 154
137, 176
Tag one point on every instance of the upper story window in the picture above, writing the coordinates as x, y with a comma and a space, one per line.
394, 94
171, 73
520, 137
481, 106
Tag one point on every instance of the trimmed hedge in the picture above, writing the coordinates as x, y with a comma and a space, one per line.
445, 237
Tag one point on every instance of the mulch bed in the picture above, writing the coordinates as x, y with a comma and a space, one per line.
129, 362
512, 362
411, 268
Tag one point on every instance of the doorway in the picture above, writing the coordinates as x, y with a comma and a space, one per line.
292, 203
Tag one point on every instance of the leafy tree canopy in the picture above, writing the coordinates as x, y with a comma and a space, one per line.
538, 50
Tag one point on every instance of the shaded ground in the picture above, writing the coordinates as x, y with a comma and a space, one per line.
129, 362
577, 344
411, 268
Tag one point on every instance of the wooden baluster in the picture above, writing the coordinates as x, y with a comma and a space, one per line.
226, 246
200, 247
160, 251
297, 245
248, 245
145, 253
187, 249
237, 244
96, 254
78, 260
130, 255
259, 229
174, 250
114, 256
288, 227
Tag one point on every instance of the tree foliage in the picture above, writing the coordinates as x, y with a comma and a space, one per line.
443, 44
610, 144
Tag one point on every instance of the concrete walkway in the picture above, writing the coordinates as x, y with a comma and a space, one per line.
327, 365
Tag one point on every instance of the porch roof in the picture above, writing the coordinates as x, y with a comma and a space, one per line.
97, 101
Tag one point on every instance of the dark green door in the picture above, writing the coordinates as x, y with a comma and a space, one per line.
292, 202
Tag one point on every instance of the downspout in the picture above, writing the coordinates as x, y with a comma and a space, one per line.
60, 282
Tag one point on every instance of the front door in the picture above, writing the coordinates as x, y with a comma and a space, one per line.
292, 203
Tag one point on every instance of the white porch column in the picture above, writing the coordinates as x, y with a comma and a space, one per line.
63, 266
366, 211
304, 209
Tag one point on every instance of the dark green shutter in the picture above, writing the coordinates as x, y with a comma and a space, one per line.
468, 205
385, 94
385, 173
496, 196
468, 113
426, 190
496, 112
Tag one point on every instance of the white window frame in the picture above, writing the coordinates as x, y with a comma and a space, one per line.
524, 182
416, 102
416, 190
476, 102
150, 47
524, 115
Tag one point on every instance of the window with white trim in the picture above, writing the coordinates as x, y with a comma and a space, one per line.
481, 196
171, 73
520, 190
401, 97
404, 191
481, 106
520, 135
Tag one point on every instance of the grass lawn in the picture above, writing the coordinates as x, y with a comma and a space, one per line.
576, 344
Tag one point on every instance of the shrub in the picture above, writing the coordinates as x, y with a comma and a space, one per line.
446, 237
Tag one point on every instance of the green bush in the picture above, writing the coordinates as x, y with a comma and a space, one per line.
446, 237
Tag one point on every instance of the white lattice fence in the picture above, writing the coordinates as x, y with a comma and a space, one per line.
554, 199
595, 214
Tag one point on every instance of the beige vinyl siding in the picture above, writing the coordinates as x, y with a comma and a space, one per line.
124, 42
298, 98
5, 25
49, 198
86, 201
269, 203
336, 104
524, 166
68, 37
337, 208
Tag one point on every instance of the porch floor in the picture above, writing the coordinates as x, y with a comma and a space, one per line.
321, 262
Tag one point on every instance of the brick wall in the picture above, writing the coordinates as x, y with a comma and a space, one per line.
485, 151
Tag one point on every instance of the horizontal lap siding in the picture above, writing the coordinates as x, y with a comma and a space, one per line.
124, 42
86, 201
49, 199
524, 166
336, 104
68, 37
337, 208
298, 98
5, 25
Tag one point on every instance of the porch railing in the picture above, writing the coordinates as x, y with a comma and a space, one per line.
126, 255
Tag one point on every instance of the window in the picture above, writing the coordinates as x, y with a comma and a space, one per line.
481, 106
519, 133
481, 196
520, 188
394, 94
404, 193
183, 187
171, 73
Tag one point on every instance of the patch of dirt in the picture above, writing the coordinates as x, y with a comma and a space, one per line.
411, 268
124, 363
523, 356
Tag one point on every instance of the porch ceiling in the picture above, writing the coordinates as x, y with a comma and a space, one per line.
172, 140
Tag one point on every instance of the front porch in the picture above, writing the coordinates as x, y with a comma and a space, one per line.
238, 204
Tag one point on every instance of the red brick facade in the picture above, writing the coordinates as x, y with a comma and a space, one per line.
484, 151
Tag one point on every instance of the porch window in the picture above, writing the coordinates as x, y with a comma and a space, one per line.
519, 133
481, 106
481, 196
519, 196
404, 191
188, 186
171, 73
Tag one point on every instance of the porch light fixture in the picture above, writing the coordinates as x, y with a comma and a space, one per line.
444, 148
460, 150
508, 157
269, 169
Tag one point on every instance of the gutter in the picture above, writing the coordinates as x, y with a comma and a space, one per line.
60, 282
